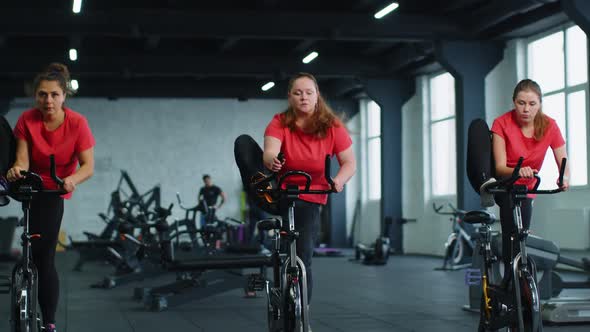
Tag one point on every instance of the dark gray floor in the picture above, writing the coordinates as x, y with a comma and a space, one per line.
405, 295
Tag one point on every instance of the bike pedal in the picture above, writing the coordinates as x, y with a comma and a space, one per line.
256, 282
504, 308
276, 297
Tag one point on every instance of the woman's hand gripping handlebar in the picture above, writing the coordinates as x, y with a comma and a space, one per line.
271, 193
31, 183
493, 186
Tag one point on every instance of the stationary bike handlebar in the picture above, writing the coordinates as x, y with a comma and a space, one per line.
455, 211
506, 185
34, 178
184, 207
281, 179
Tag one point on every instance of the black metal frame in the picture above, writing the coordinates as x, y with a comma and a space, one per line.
24, 278
287, 298
516, 301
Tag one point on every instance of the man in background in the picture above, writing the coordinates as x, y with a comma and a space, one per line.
208, 197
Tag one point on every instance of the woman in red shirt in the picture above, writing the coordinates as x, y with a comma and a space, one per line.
51, 128
306, 132
525, 131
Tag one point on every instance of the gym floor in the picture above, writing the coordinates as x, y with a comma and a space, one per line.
405, 295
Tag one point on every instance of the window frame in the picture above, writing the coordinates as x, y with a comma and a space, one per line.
367, 140
430, 122
566, 90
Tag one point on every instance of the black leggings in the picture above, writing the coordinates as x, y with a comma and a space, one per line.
307, 223
45, 219
248, 155
510, 250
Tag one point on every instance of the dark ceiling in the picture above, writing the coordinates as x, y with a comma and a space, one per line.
229, 48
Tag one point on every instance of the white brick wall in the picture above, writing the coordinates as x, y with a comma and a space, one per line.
171, 142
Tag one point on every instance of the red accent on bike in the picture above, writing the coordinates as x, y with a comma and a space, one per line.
35, 236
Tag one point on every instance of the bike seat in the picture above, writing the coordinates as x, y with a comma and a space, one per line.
269, 224
479, 217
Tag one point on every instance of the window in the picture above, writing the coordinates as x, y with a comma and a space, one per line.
443, 151
374, 150
558, 62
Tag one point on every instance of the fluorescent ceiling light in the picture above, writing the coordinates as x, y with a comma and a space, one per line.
73, 54
74, 84
268, 86
309, 58
77, 6
391, 7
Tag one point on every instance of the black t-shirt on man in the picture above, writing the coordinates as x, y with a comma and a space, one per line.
210, 194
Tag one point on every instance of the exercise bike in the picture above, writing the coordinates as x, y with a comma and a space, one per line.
460, 243
24, 281
516, 303
287, 295
378, 252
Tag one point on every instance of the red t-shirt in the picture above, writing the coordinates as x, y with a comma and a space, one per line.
518, 145
304, 152
66, 142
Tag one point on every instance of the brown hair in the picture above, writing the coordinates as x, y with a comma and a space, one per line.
541, 121
55, 72
322, 118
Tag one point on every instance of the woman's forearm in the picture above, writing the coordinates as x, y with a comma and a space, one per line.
22, 155
83, 173
346, 171
267, 159
22, 164
504, 171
